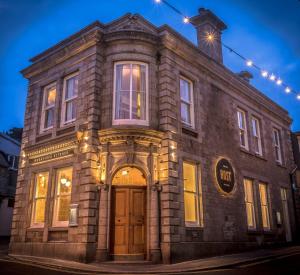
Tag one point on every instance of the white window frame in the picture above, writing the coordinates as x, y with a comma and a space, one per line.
266, 206
245, 130
34, 200
44, 108
277, 146
130, 121
197, 194
250, 204
65, 101
191, 103
255, 123
55, 222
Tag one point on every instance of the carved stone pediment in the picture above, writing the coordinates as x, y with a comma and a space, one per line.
132, 22
130, 136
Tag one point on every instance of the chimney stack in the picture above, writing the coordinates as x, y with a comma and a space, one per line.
209, 31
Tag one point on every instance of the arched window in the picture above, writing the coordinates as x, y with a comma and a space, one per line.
129, 176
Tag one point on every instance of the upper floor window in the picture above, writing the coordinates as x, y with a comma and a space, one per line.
277, 146
187, 104
242, 129
48, 106
39, 199
70, 93
130, 93
13, 162
62, 196
193, 211
256, 136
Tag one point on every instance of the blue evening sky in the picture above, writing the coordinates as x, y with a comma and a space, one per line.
267, 31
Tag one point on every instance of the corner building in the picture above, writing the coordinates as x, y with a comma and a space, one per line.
139, 145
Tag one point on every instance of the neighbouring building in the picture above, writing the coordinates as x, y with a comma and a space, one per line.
140, 145
295, 178
9, 159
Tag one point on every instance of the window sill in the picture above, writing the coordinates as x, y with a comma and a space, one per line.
280, 165
193, 227
35, 228
59, 228
189, 131
252, 154
130, 122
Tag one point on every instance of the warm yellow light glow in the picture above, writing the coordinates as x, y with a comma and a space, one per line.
129, 176
186, 20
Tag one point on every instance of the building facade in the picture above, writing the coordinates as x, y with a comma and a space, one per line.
9, 159
140, 145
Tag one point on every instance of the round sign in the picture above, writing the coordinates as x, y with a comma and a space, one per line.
225, 175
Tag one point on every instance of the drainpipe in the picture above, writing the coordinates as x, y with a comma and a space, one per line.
294, 187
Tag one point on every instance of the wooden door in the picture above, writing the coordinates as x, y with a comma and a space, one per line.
128, 221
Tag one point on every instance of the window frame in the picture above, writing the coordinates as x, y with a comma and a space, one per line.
277, 146
55, 222
46, 108
245, 130
253, 208
258, 136
267, 206
63, 122
130, 121
34, 200
191, 103
198, 194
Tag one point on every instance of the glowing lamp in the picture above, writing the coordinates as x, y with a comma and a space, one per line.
298, 96
279, 82
264, 73
287, 89
272, 77
186, 20
249, 63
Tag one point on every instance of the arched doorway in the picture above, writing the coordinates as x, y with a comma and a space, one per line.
128, 215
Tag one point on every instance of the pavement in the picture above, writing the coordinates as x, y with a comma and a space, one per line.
200, 265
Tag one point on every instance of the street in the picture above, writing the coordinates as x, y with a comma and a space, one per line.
289, 265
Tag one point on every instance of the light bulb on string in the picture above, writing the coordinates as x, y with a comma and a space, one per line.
157, 1
264, 73
279, 82
186, 20
298, 96
272, 77
287, 90
249, 63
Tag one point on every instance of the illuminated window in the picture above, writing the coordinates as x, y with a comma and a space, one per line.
186, 98
192, 196
242, 129
256, 136
131, 92
39, 199
62, 197
48, 107
249, 201
70, 94
277, 147
264, 204
129, 176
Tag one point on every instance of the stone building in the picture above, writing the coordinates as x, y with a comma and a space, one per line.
9, 158
139, 145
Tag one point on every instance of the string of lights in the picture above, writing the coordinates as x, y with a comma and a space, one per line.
249, 63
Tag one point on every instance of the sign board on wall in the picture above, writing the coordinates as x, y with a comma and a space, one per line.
225, 175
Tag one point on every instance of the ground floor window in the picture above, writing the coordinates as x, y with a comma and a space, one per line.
264, 204
62, 196
192, 195
39, 199
249, 201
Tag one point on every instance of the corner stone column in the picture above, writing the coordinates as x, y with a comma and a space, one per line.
155, 253
102, 245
